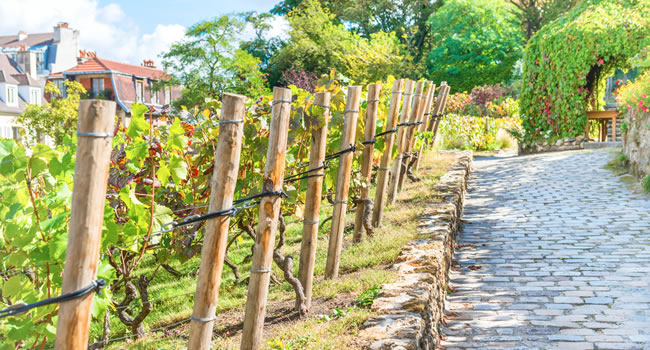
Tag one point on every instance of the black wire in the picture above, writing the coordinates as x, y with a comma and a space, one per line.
297, 177
352, 148
370, 142
386, 132
94, 286
232, 210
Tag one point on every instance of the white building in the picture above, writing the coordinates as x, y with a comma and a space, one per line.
26, 60
41, 54
17, 90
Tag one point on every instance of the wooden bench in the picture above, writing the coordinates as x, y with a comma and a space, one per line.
602, 117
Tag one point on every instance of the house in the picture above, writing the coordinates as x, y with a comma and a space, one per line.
121, 82
41, 54
17, 90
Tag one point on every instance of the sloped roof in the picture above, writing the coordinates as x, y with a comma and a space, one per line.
7, 69
26, 79
37, 39
97, 64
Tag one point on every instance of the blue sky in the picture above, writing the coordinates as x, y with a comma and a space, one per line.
150, 13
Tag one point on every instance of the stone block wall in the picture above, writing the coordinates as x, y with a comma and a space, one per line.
410, 309
566, 144
636, 143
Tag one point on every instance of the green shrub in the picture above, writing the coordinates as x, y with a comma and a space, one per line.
566, 61
634, 96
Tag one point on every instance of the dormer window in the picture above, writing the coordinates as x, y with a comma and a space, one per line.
35, 96
12, 95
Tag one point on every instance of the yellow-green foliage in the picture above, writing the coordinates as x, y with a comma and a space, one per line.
57, 118
466, 131
566, 60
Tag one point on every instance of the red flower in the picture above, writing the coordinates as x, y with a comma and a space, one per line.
601, 62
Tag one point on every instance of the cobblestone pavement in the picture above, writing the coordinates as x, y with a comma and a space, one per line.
555, 255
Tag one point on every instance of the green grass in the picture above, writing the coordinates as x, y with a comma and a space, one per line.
362, 268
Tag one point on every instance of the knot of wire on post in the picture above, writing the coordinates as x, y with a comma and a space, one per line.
352, 148
238, 206
18, 309
306, 174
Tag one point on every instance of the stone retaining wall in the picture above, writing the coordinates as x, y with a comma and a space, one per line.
566, 144
410, 309
636, 143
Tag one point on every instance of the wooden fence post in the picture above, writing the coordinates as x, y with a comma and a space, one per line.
386, 157
436, 108
343, 182
95, 130
213, 252
364, 205
258, 285
397, 163
312, 201
425, 119
441, 110
418, 105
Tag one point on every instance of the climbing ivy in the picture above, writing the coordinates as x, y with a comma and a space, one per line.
566, 61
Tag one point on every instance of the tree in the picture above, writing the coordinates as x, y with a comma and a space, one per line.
407, 18
477, 42
537, 13
260, 46
57, 118
318, 44
208, 63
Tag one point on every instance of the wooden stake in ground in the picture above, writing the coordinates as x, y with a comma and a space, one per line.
213, 252
364, 206
438, 105
387, 155
312, 201
423, 127
343, 182
258, 286
441, 111
401, 136
95, 131
418, 104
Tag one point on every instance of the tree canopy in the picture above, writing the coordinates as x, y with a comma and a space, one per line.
208, 62
476, 42
317, 43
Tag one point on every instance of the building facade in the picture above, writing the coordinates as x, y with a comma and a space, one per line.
42, 54
120, 82
17, 90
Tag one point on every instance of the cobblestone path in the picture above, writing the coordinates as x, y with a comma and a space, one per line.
555, 255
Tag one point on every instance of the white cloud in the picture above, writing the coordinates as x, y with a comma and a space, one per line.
104, 29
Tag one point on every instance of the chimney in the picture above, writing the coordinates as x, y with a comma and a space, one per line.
22, 35
62, 32
148, 64
27, 62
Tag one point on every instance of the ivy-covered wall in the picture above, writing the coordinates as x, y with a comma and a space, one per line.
568, 60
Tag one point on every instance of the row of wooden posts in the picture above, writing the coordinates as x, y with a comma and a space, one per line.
96, 120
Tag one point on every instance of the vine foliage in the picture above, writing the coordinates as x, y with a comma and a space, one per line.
566, 62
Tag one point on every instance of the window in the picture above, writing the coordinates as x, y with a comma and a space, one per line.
168, 95
12, 99
139, 91
154, 97
35, 96
98, 86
